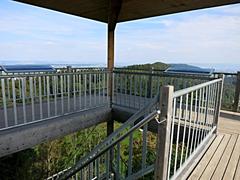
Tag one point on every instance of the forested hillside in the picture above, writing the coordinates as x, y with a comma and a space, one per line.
156, 65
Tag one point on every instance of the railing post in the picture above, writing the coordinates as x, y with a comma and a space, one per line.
164, 133
69, 70
219, 101
237, 93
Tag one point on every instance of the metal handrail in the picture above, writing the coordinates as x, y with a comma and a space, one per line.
110, 142
175, 75
194, 88
75, 169
53, 74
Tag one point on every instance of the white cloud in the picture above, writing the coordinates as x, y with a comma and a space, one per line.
202, 38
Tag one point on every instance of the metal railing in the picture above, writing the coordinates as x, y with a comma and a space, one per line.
231, 91
27, 98
193, 118
187, 119
231, 88
105, 160
134, 89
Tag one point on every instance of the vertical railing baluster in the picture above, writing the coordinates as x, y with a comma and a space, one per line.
55, 79
130, 150
189, 128
8, 89
95, 90
126, 89
74, 92
184, 131
68, 92
99, 88
178, 132
104, 86
144, 146
48, 98
80, 91
201, 115
44, 86
4, 99
130, 97
62, 92
118, 159
135, 91
14, 101
140, 93
35, 86
32, 97
20, 87
121, 88
90, 90
207, 111
24, 99
85, 91
40, 97
194, 122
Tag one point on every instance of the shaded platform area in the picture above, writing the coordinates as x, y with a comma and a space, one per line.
222, 159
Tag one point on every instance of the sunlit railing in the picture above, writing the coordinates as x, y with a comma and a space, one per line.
133, 89
194, 119
105, 161
186, 120
26, 98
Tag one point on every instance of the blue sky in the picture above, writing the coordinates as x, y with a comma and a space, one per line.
34, 35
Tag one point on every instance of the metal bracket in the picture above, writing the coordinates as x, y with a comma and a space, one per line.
158, 116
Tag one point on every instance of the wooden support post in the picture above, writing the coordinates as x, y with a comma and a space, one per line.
164, 133
237, 93
219, 101
110, 62
114, 9
113, 12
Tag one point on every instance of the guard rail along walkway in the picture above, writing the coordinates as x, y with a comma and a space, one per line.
187, 122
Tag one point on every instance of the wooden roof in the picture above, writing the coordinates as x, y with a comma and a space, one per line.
130, 9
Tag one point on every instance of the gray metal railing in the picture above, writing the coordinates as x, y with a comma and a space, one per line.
133, 89
105, 160
193, 118
231, 91
187, 119
26, 98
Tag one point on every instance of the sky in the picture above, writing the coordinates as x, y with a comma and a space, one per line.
35, 35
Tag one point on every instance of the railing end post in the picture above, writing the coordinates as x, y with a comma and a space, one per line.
164, 133
219, 101
237, 93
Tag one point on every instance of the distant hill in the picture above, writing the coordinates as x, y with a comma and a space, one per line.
156, 65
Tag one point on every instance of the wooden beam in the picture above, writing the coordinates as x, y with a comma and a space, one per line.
113, 12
